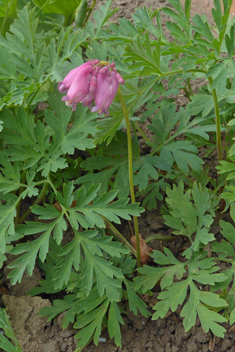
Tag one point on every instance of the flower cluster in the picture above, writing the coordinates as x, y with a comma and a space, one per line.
94, 81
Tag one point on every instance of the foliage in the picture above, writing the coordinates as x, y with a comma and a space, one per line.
193, 221
6, 334
65, 177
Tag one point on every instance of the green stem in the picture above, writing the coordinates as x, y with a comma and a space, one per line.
217, 120
37, 201
120, 236
19, 204
5, 17
173, 72
89, 12
135, 141
32, 98
190, 87
141, 132
187, 93
130, 165
159, 237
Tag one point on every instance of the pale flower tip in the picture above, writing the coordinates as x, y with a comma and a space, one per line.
94, 109
120, 78
61, 87
72, 104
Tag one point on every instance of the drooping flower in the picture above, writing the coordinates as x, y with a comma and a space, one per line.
77, 84
93, 81
90, 97
107, 85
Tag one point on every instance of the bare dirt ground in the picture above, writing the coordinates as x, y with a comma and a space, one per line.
35, 334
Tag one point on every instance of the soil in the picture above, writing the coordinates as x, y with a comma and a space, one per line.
35, 334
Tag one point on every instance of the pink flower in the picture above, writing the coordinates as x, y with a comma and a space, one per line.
107, 86
77, 84
93, 81
90, 97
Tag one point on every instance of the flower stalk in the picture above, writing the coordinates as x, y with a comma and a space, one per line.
217, 120
130, 167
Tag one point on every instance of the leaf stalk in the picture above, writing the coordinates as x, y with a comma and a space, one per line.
120, 236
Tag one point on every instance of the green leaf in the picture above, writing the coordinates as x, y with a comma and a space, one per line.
39, 247
224, 247
227, 167
107, 129
5, 325
7, 68
153, 192
120, 33
209, 320
201, 103
24, 27
207, 277
76, 136
228, 231
229, 40
143, 21
8, 8
232, 317
59, 118
7, 223
190, 217
202, 27
103, 15
27, 141
102, 178
146, 167
164, 121
91, 325
230, 195
207, 317
177, 32
59, 306
135, 302
114, 321
90, 215
88, 246
54, 163
80, 13
182, 152
105, 274
10, 179
217, 14
179, 17
121, 183
178, 291
149, 278
145, 58
58, 6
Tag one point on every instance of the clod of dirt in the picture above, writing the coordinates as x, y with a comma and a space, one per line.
33, 332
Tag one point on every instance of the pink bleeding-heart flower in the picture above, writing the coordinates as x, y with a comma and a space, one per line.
94, 81
107, 86
77, 84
